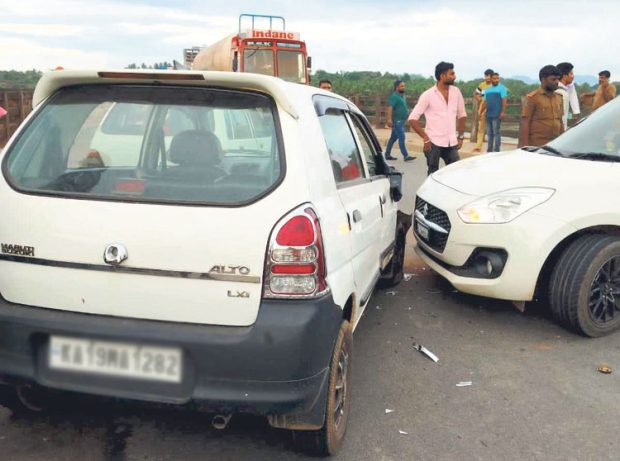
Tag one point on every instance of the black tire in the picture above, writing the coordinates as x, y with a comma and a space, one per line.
327, 440
584, 290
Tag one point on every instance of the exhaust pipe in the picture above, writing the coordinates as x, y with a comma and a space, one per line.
220, 422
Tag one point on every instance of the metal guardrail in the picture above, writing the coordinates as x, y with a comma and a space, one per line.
18, 104
375, 109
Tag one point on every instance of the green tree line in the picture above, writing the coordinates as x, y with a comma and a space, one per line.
14, 79
345, 83
373, 83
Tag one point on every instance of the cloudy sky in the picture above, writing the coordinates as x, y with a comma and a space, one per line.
515, 37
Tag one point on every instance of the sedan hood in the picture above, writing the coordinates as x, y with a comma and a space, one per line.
489, 173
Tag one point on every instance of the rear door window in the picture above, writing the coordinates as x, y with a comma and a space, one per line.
150, 144
343, 152
367, 148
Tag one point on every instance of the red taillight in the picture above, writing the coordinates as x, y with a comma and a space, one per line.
295, 263
297, 232
293, 269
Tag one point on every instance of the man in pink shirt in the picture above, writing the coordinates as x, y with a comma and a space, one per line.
2, 112
443, 108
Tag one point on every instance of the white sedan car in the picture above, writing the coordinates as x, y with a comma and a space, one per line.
532, 223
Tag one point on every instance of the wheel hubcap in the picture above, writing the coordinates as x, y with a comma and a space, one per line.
341, 388
604, 299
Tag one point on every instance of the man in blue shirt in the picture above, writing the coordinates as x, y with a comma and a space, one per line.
397, 114
495, 100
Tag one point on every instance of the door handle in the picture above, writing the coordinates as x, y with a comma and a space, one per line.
357, 216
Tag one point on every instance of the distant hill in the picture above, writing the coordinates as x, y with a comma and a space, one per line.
589, 79
524, 79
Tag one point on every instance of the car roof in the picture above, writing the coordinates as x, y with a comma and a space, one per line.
285, 93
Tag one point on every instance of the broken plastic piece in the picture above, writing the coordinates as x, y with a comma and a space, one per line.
464, 384
407, 277
378, 308
393, 293
388, 411
426, 352
403, 433
605, 369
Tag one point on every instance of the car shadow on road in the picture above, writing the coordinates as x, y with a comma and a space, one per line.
537, 309
116, 430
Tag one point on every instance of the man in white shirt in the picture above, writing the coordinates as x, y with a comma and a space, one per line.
567, 89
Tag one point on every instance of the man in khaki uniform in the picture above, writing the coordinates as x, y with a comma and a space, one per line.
605, 92
541, 118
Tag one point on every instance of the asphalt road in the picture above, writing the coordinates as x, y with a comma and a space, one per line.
535, 393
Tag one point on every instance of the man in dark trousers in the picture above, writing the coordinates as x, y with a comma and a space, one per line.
494, 105
397, 113
541, 117
443, 107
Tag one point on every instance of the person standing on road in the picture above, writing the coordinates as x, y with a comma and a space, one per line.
443, 107
566, 89
397, 113
541, 118
494, 105
605, 92
479, 120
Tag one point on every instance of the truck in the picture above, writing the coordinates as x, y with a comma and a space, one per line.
273, 51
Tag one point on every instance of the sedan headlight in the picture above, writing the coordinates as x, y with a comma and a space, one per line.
503, 207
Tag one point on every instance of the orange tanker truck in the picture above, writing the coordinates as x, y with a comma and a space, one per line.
276, 52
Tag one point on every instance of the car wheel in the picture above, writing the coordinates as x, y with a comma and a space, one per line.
584, 290
327, 440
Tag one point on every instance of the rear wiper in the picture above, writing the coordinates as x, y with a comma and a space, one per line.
553, 150
596, 156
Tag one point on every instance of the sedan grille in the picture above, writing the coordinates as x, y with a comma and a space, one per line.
436, 240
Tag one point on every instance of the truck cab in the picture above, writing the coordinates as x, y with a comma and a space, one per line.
273, 51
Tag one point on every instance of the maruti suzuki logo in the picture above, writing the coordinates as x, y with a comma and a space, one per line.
425, 210
21, 250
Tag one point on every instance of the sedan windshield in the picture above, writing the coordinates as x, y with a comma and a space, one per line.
596, 138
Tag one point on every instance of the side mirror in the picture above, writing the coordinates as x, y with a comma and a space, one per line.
396, 184
309, 62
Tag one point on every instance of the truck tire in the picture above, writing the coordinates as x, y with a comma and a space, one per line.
584, 290
327, 440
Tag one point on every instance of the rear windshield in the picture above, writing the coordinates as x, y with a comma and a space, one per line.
137, 143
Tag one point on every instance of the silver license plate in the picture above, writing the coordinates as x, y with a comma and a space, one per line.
422, 231
116, 359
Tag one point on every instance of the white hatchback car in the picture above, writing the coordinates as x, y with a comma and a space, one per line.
536, 222
194, 236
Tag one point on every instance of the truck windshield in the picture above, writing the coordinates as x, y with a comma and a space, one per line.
258, 61
291, 66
